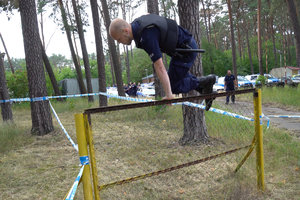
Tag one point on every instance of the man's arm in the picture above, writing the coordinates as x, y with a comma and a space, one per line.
163, 77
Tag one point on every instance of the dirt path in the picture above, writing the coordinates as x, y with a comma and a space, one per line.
290, 124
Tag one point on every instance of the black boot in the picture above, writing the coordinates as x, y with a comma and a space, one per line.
205, 86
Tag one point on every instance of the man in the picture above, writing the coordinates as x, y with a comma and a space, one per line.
229, 84
157, 34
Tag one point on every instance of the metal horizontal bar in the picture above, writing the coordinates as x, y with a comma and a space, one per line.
190, 50
164, 102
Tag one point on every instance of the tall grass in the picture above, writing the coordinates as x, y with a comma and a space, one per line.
12, 137
286, 96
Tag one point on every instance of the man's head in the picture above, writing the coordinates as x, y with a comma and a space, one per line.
121, 31
228, 72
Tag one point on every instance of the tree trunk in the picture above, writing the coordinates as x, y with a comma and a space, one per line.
8, 58
100, 54
272, 32
195, 130
152, 7
249, 50
232, 39
40, 110
296, 26
259, 49
4, 95
112, 71
85, 55
125, 47
127, 64
50, 72
113, 51
205, 20
74, 57
209, 19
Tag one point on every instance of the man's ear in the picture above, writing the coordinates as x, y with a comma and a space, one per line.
125, 30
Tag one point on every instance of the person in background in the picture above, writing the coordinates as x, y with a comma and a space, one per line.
229, 85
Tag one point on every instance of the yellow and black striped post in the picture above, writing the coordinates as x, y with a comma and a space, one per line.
83, 151
259, 140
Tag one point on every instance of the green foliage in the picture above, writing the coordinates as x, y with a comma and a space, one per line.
140, 65
65, 73
261, 79
17, 84
214, 61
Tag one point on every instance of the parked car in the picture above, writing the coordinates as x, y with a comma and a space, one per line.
271, 80
219, 85
296, 78
288, 81
147, 90
244, 83
252, 78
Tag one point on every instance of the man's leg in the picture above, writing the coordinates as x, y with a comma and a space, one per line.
233, 98
227, 99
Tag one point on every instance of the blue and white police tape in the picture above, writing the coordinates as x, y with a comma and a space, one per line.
215, 110
284, 116
72, 96
125, 98
84, 160
73, 189
63, 128
268, 120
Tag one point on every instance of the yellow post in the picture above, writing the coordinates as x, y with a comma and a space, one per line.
83, 151
89, 135
259, 139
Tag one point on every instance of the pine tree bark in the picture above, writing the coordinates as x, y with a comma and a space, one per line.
205, 20
259, 49
100, 54
6, 111
296, 26
85, 55
125, 47
113, 51
233, 48
40, 110
195, 130
50, 72
74, 57
152, 7
8, 58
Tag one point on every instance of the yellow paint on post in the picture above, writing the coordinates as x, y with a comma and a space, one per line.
259, 139
83, 151
89, 135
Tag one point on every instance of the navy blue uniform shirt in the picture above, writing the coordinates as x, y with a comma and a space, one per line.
182, 81
150, 38
229, 82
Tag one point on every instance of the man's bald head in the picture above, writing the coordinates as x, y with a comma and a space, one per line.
121, 31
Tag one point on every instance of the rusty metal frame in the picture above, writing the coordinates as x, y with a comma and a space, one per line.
164, 102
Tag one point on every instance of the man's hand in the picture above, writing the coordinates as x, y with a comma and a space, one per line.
168, 97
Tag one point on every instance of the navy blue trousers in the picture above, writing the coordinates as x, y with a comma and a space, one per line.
182, 81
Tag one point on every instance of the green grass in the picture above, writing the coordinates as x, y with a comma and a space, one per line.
12, 137
137, 141
286, 97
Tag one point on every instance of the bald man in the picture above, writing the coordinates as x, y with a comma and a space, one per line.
157, 34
